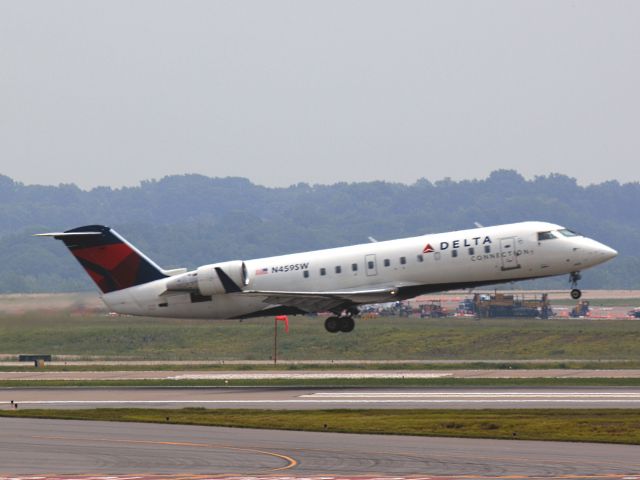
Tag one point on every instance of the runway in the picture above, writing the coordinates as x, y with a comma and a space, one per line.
321, 398
231, 375
46, 449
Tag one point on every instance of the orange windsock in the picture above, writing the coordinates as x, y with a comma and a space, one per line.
285, 319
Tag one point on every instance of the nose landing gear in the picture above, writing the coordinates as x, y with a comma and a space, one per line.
573, 279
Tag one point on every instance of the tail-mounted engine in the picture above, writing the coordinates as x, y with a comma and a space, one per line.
226, 277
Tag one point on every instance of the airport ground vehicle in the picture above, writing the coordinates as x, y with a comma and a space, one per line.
433, 309
580, 310
511, 305
466, 307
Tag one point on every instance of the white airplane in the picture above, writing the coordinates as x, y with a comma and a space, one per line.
335, 280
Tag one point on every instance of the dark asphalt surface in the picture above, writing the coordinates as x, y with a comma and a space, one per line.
322, 398
34, 446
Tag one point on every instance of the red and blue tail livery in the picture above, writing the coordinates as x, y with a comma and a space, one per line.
112, 262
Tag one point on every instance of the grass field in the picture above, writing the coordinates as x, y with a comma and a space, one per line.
606, 425
59, 333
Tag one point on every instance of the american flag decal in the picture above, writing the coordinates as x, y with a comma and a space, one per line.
262, 271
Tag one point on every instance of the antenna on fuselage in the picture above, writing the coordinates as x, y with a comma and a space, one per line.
372, 240
478, 224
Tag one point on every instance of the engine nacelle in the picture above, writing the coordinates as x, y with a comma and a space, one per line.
226, 277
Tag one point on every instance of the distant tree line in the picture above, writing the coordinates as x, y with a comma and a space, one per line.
190, 220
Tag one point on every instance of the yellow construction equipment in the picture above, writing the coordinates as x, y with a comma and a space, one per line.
511, 305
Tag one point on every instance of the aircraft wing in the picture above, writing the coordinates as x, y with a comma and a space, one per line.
323, 301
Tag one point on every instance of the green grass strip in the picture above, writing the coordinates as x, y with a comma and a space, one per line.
61, 333
597, 425
335, 382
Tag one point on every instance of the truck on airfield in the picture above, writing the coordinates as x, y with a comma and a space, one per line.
511, 305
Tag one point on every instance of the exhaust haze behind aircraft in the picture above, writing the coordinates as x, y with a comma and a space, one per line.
336, 280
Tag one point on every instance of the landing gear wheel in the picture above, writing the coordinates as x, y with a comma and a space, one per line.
574, 277
347, 324
332, 324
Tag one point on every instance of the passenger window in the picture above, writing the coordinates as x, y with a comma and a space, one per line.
471, 251
354, 267
305, 274
487, 249
403, 260
545, 236
454, 253
338, 269
387, 262
420, 258
323, 271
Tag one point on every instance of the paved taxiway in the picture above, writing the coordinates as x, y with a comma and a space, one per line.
31, 446
314, 374
322, 398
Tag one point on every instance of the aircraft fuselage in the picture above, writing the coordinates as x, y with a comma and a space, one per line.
366, 273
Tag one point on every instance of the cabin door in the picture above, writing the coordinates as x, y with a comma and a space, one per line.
370, 265
508, 253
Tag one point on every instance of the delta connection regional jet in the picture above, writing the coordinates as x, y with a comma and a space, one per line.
337, 280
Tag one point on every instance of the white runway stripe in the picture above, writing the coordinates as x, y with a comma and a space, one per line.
467, 394
305, 375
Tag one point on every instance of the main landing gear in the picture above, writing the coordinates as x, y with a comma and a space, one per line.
573, 279
341, 323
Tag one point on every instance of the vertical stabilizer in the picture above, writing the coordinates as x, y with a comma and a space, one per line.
111, 261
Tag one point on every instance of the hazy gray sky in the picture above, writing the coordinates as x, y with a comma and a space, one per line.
113, 92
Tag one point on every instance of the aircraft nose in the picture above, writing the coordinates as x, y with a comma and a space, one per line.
594, 252
607, 252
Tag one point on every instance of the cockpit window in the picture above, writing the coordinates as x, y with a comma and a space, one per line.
568, 233
545, 236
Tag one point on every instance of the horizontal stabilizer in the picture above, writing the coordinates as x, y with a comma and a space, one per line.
65, 234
